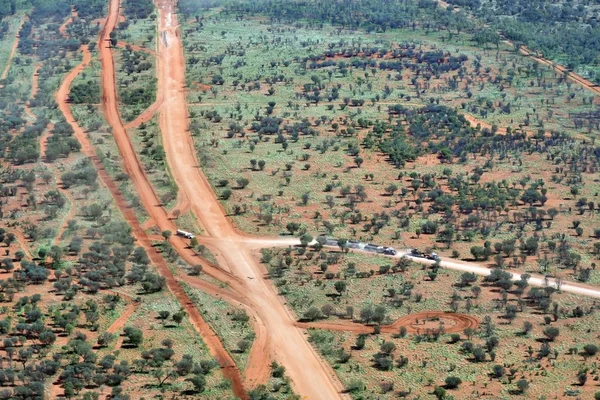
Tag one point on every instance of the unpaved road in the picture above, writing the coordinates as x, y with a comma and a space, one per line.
459, 322
148, 113
258, 367
311, 376
535, 279
109, 102
34, 90
589, 85
120, 322
228, 366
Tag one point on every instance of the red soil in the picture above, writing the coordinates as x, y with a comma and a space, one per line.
213, 344
414, 323
109, 100
310, 375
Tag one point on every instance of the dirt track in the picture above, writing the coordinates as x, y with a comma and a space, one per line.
22, 242
310, 375
34, 90
589, 85
120, 322
212, 342
257, 370
13, 50
560, 68
148, 113
109, 100
460, 322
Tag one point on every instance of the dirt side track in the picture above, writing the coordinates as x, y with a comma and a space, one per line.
310, 375
13, 50
221, 355
409, 322
109, 100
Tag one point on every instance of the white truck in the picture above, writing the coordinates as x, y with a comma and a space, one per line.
185, 234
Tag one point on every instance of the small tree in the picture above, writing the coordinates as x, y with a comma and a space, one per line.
134, 336
195, 270
305, 239
312, 314
439, 393
340, 287
242, 182
551, 332
178, 317
452, 382
590, 350
243, 345
522, 385
163, 315
360, 342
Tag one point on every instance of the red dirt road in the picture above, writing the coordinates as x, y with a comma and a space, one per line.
459, 322
212, 342
120, 322
589, 85
311, 376
109, 101
257, 370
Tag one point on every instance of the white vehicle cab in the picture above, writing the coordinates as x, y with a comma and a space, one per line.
185, 234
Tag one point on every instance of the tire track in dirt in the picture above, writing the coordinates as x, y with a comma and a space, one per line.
149, 112
311, 376
206, 333
44, 141
146, 115
34, 90
151, 203
13, 50
182, 204
121, 321
63, 27
22, 242
121, 44
257, 370
409, 322
68, 217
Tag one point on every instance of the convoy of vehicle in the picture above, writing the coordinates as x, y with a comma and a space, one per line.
353, 244
419, 254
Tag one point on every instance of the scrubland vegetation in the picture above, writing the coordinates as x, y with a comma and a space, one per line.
424, 127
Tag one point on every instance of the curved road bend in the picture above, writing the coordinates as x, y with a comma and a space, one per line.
311, 377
